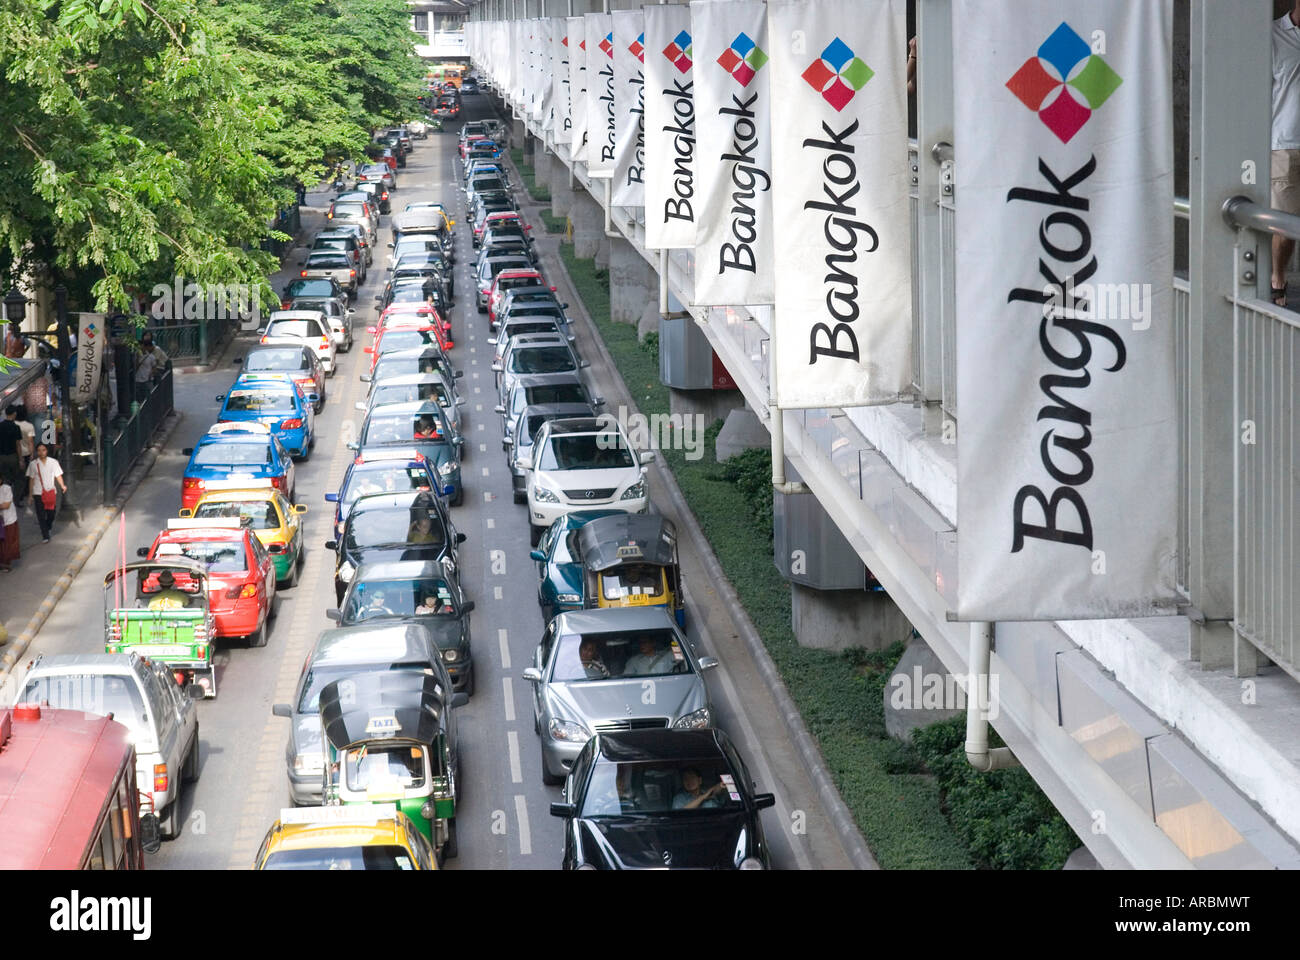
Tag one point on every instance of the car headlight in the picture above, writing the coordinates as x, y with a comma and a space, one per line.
752, 863
695, 720
345, 571
428, 810
448, 468
542, 495
312, 762
567, 598
451, 656
568, 731
634, 492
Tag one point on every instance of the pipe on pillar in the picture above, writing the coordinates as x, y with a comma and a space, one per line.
978, 754
776, 423
663, 281
609, 209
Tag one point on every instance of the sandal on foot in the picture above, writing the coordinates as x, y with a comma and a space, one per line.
1276, 294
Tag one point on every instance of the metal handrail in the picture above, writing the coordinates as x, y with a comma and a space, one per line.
1241, 211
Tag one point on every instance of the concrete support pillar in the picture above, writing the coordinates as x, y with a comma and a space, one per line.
561, 190
742, 431
633, 284
840, 619
518, 134
706, 405
602, 245
543, 161
588, 225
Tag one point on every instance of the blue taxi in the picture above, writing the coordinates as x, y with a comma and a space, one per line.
400, 470
278, 402
240, 452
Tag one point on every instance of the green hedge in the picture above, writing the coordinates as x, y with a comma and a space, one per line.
539, 192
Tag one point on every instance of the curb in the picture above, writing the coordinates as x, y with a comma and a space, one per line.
14, 652
809, 753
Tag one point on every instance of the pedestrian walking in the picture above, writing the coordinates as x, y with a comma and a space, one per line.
15, 342
26, 449
11, 440
1285, 157
43, 474
150, 365
9, 545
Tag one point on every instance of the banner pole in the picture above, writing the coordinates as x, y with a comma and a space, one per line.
776, 421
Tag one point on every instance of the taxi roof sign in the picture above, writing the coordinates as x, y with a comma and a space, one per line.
386, 724
238, 426
339, 815
252, 483
188, 523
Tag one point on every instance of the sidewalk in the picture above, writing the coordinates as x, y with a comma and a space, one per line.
23, 591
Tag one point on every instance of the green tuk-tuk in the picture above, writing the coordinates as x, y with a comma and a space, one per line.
630, 560
390, 738
159, 609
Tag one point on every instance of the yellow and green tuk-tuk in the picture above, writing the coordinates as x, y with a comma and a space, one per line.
390, 738
630, 560
159, 609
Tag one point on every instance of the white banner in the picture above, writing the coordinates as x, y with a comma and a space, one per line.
840, 174
629, 109
578, 86
600, 95
92, 331
563, 122
543, 44
733, 247
669, 127
1067, 459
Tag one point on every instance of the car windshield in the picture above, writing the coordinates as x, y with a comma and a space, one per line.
233, 455
381, 477
328, 261
221, 556
369, 857
377, 599
409, 392
312, 287
485, 183
290, 358
409, 293
329, 243
394, 340
530, 326
332, 307
586, 451
259, 514
260, 401
555, 359
402, 366
389, 766
511, 283
321, 675
661, 787
348, 210
402, 428
293, 328
554, 393
94, 693
617, 656
395, 527
377, 169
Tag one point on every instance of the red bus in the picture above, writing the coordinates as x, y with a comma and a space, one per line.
68, 796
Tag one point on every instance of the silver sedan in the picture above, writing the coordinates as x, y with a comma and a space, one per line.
613, 669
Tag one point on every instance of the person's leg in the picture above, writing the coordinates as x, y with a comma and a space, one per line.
1283, 248
1284, 195
43, 517
11, 549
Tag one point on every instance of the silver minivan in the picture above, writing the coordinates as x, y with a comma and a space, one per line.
143, 696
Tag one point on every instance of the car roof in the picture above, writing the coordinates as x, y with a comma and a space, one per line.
547, 379
385, 642
277, 343
524, 273
73, 662
405, 406
398, 570
293, 315
571, 425
376, 454
392, 501
649, 745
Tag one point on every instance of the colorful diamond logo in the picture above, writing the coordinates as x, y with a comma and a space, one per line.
743, 59
1054, 85
564, 42
637, 49
837, 74
607, 45
679, 51
582, 44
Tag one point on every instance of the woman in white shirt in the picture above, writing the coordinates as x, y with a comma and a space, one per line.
9, 547
42, 475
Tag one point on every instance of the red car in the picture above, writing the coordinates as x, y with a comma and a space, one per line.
467, 144
406, 336
511, 280
241, 576
410, 310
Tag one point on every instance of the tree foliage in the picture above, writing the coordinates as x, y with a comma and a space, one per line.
141, 139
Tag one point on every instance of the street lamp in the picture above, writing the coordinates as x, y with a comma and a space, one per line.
15, 306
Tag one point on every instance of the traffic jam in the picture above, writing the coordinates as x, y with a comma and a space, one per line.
376, 744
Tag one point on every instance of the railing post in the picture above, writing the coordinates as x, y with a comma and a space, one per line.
934, 124
1230, 136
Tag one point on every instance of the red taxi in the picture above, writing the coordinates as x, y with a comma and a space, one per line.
409, 309
397, 334
241, 574
511, 280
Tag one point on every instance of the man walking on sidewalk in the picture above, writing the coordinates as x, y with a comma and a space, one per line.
11, 439
9, 546
43, 473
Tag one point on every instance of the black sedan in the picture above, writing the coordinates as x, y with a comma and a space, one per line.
662, 799
383, 527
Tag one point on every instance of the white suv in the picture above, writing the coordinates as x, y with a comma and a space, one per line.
580, 463
303, 326
143, 696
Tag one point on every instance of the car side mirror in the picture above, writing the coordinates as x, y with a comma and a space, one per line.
331, 498
764, 800
507, 442
461, 538
237, 361
564, 306
532, 675
150, 833
331, 545
366, 378
538, 556
195, 691
565, 810
333, 613
142, 551
185, 513
459, 699
708, 663
220, 397
461, 403
492, 340
313, 397
597, 401
300, 508
649, 456
496, 368
460, 374
469, 606
499, 409
282, 710
187, 451
584, 363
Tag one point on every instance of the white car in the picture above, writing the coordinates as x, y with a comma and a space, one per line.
143, 696
311, 327
583, 463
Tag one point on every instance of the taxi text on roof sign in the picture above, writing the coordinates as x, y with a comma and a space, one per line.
373, 813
